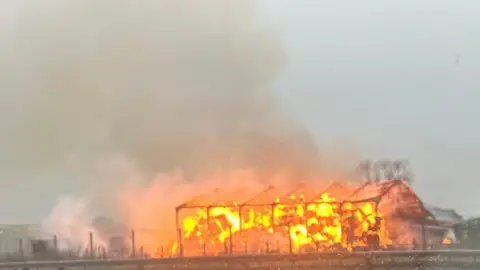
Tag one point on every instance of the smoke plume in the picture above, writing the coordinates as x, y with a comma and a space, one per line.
168, 85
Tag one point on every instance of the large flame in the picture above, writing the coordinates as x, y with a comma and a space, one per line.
296, 221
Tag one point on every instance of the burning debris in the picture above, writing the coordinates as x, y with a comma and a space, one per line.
295, 220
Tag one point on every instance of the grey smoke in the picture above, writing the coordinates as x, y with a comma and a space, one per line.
170, 84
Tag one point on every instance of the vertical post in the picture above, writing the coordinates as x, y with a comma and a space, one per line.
351, 231
272, 218
55, 243
342, 227
133, 244
207, 233
208, 218
180, 244
424, 236
240, 217
179, 232
378, 223
2, 242
304, 213
90, 241
20, 248
240, 229
290, 247
306, 219
230, 238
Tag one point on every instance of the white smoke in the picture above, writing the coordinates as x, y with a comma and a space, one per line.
172, 84
70, 220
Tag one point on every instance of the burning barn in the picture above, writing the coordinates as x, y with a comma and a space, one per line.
376, 215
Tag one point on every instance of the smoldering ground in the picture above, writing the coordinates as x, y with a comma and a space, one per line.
169, 85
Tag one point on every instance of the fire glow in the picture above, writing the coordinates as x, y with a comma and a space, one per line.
299, 220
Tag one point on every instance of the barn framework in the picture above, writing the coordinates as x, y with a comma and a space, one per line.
395, 196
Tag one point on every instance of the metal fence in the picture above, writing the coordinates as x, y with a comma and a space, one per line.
440, 259
49, 249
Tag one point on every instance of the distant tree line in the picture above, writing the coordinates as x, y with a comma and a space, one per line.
385, 170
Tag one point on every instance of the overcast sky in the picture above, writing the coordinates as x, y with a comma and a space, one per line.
383, 75
378, 75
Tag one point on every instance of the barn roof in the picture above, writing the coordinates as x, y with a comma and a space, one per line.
396, 193
443, 215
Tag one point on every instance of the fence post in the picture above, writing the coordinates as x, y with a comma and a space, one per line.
179, 231
180, 243
133, 243
20, 248
92, 255
424, 237
55, 243
104, 252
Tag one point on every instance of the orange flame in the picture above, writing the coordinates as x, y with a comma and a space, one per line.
319, 223
446, 241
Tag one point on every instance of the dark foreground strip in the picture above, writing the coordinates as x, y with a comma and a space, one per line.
363, 260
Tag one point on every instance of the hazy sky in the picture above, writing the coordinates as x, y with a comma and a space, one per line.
382, 76
379, 76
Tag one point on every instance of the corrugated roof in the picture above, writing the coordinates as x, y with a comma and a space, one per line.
381, 189
445, 215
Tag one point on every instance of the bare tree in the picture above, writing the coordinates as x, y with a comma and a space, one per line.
385, 170
364, 170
